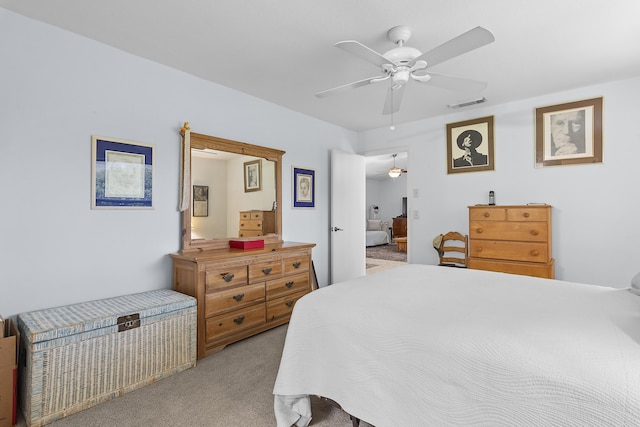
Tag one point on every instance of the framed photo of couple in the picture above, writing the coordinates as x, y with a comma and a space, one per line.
304, 188
569, 133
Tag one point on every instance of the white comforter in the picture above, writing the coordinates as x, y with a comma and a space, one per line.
434, 346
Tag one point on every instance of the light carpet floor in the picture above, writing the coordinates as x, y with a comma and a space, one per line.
389, 252
226, 389
377, 265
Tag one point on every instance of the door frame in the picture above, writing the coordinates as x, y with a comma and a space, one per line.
390, 151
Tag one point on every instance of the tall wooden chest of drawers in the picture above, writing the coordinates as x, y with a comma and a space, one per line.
239, 292
511, 239
257, 223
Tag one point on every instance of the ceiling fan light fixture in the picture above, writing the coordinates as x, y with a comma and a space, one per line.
395, 172
402, 55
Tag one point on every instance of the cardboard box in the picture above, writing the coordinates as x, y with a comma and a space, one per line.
246, 243
8, 374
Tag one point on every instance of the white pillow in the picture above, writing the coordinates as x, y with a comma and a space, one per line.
635, 284
374, 225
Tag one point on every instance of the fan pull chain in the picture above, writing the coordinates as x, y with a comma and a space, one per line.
393, 126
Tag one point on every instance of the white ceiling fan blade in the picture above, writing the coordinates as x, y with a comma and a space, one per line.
394, 98
466, 42
458, 84
363, 52
359, 83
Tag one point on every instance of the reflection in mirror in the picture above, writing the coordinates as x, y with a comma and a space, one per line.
229, 194
233, 189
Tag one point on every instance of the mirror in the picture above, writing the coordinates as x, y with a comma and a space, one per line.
235, 187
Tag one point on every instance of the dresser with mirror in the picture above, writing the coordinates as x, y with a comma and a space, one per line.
239, 292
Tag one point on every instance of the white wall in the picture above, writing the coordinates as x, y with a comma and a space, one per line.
57, 90
595, 206
213, 174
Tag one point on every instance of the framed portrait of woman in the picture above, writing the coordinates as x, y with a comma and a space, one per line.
304, 188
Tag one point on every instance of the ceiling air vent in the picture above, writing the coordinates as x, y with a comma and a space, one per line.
468, 103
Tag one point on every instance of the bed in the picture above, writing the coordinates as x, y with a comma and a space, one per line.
377, 233
423, 345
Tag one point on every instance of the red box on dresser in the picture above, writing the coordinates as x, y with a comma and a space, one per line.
246, 244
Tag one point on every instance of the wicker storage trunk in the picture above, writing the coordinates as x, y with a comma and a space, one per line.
77, 356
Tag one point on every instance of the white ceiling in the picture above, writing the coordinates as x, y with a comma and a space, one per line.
283, 51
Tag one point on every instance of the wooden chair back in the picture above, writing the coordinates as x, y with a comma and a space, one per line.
453, 250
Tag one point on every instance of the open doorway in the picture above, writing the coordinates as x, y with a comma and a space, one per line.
386, 210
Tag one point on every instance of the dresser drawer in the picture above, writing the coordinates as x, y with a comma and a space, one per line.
513, 230
487, 214
544, 270
512, 251
233, 299
287, 285
250, 233
527, 214
265, 270
251, 215
218, 327
219, 278
251, 224
295, 264
282, 307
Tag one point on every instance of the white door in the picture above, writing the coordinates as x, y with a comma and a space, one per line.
348, 218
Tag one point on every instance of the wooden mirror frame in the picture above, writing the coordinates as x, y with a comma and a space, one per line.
214, 143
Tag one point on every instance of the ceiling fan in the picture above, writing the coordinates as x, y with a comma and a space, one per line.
403, 63
395, 171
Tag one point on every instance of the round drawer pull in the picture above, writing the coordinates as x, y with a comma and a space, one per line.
534, 252
534, 232
479, 230
487, 214
526, 214
478, 249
